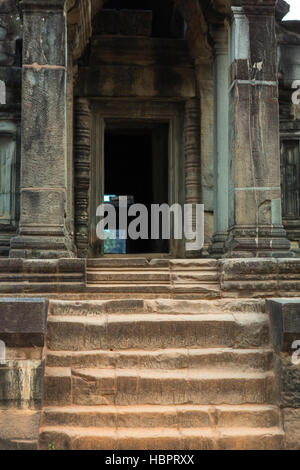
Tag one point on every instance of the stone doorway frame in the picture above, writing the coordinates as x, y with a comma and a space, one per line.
89, 156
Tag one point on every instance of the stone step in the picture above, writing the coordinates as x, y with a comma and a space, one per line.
156, 331
41, 288
144, 263
165, 359
66, 386
151, 416
153, 291
129, 288
112, 262
148, 276
128, 277
160, 438
171, 278
171, 306
125, 275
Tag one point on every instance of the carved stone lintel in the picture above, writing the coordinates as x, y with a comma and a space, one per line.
192, 159
82, 174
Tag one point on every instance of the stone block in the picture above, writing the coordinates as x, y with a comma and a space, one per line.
147, 417
285, 322
83, 417
65, 335
249, 268
40, 266
23, 321
89, 389
193, 417
290, 383
46, 206
19, 424
97, 336
45, 165
204, 440
251, 331
11, 266
291, 418
136, 81
289, 267
251, 416
263, 439
247, 200
57, 387
46, 35
54, 440
66, 265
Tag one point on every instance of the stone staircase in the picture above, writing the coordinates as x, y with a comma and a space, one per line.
168, 278
158, 373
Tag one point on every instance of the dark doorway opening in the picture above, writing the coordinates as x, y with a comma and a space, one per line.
136, 166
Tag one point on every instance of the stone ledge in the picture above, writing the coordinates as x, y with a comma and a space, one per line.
272, 277
246, 277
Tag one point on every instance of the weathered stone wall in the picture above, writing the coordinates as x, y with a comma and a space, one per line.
260, 277
285, 329
137, 67
22, 333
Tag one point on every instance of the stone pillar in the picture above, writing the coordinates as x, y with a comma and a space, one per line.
255, 223
70, 140
192, 159
204, 83
83, 124
42, 232
221, 64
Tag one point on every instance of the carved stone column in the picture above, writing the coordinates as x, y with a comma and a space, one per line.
42, 232
70, 145
192, 160
82, 175
255, 222
221, 65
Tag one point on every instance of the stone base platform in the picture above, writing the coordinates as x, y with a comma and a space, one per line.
168, 278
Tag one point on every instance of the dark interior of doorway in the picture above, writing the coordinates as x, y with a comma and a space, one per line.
136, 165
167, 21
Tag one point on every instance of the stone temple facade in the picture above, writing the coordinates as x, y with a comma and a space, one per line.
147, 345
